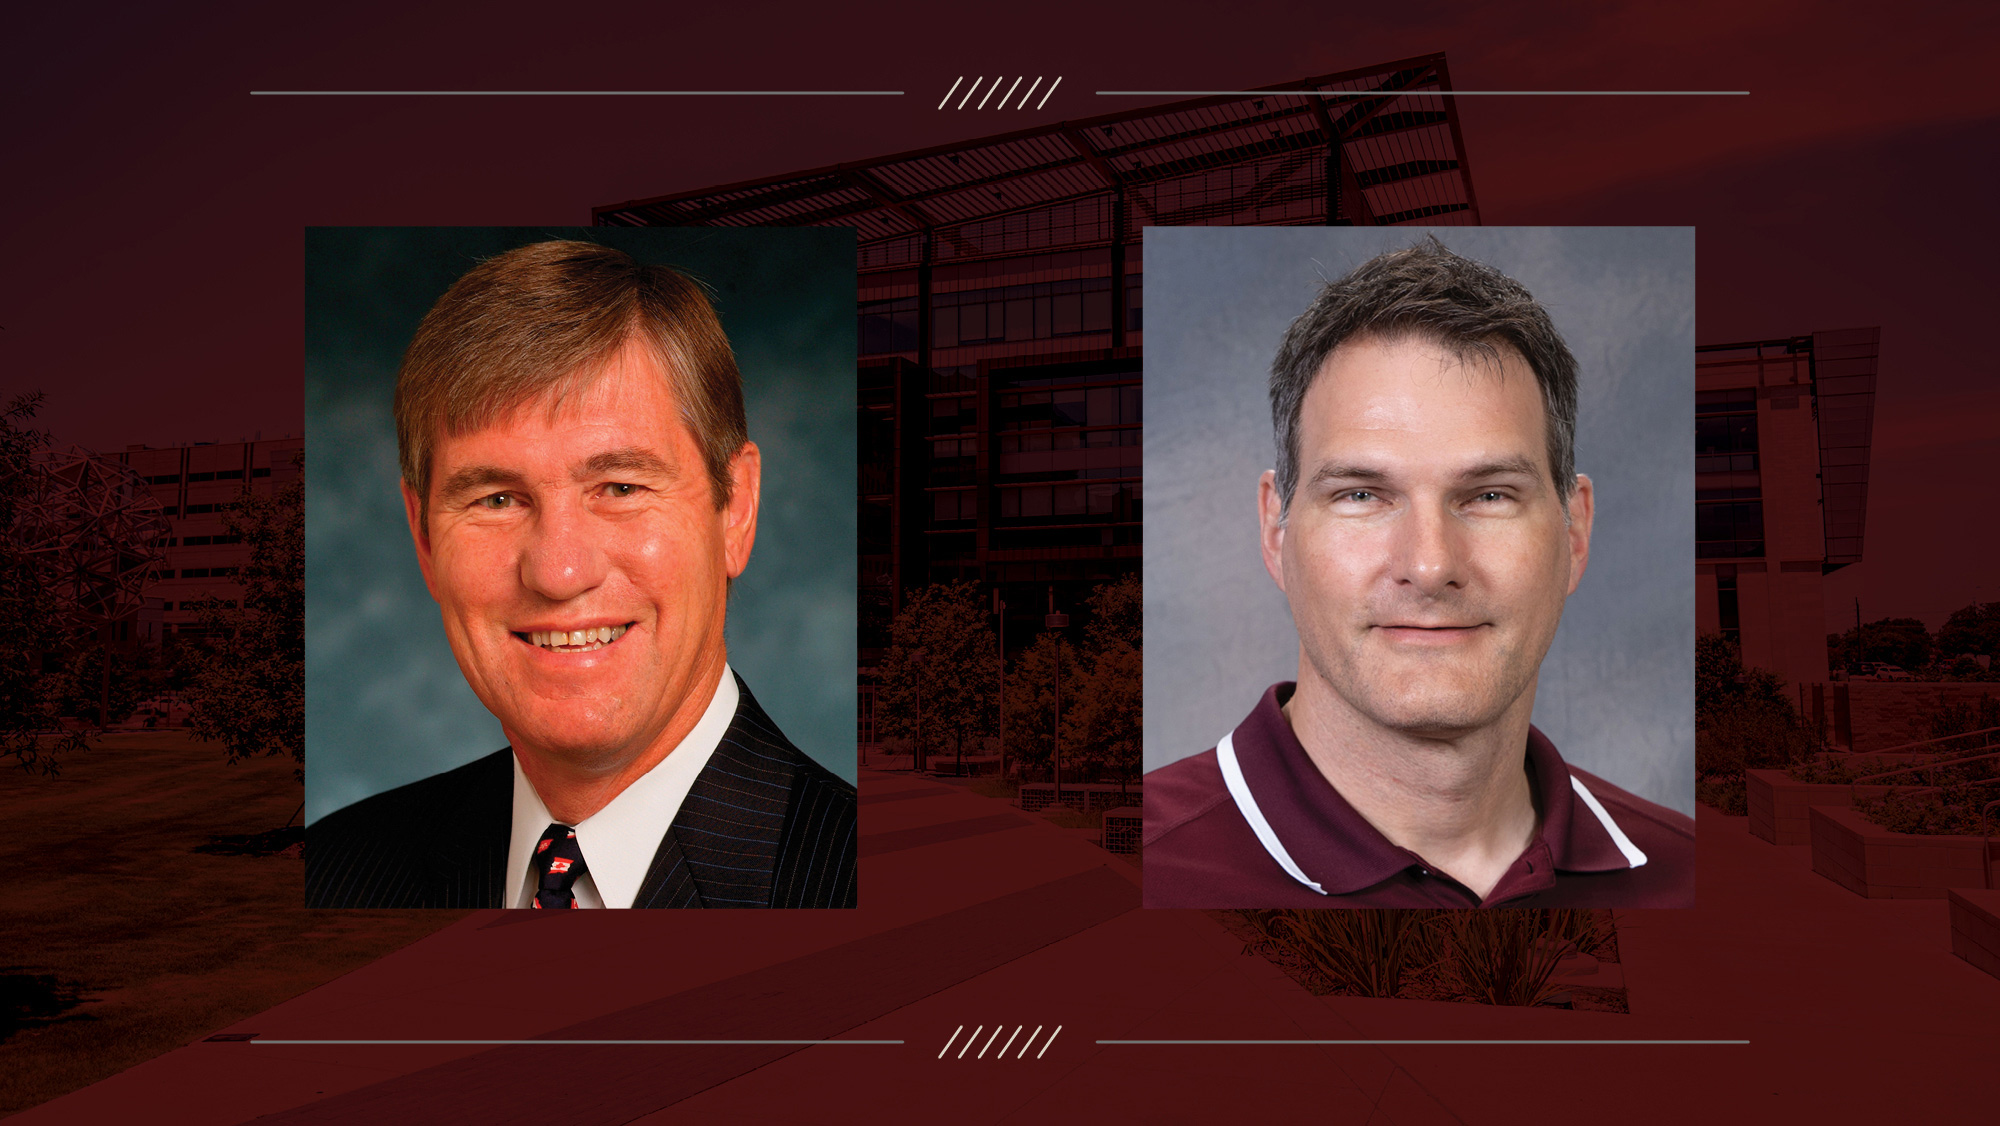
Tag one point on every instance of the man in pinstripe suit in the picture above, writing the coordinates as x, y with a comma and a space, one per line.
581, 491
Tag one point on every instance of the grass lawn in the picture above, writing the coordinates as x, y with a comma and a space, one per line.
121, 942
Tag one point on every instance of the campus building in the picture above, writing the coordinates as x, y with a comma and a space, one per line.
193, 485
1001, 308
1782, 431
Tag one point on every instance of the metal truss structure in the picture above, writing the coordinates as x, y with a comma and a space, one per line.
1365, 147
93, 532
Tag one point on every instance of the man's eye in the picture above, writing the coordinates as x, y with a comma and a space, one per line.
1357, 494
497, 501
1491, 497
620, 490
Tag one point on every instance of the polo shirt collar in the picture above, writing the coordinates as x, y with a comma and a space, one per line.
1332, 849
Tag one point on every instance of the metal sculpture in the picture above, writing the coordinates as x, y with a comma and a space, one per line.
92, 532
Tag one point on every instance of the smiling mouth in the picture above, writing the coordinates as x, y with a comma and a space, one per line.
574, 640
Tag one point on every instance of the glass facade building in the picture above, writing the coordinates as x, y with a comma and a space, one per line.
1001, 308
1782, 433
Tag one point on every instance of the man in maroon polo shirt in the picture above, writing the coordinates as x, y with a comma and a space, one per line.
1426, 523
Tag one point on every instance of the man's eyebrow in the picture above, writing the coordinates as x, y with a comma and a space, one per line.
1369, 474
635, 460
1501, 468
1349, 473
476, 478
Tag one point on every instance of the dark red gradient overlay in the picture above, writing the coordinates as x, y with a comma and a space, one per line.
151, 286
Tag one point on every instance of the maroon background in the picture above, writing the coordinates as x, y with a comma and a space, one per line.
152, 286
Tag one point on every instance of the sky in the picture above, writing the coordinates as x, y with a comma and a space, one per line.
151, 250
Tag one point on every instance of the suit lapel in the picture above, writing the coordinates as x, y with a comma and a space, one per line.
467, 860
722, 847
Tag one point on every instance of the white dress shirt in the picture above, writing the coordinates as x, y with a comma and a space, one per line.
618, 841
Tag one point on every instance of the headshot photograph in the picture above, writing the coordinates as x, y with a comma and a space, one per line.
580, 549
1418, 609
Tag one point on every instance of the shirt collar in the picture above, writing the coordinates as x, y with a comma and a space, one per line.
618, 842
1337, 849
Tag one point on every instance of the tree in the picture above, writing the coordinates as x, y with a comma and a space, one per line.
1971, 629
1898, 641
1031, 705
246, 677
941, 674
1110, 705
31, 626
1743, 717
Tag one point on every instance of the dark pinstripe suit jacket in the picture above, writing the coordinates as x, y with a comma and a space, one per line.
762, 826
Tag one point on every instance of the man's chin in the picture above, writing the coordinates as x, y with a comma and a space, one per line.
593, 749
1434, 711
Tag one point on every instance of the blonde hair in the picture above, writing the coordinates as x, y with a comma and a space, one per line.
539, 323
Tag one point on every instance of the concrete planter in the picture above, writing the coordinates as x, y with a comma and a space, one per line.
1975, 928
1778, 805
1871, 861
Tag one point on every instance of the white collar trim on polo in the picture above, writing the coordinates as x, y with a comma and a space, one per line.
618, 841
1239, 789
1232, 777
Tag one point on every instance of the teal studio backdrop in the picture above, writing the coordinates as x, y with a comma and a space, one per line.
385, 703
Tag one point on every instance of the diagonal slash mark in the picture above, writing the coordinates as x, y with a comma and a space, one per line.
1050, 1040
1031, 1041
947, 1043
969, 1040
1008, 94
989, 1042
1051, 90
973, 90
1010, 1042
953, 90
1029, 94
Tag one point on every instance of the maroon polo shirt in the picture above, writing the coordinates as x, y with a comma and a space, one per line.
1202, 851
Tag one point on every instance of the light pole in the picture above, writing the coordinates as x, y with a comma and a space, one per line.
1000, 611
1057, 621
917, 661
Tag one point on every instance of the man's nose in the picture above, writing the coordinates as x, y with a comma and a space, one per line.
1430, 549
563, 556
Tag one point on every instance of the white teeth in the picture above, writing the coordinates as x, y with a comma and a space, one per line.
585, 640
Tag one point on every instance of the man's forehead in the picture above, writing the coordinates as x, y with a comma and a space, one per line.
1405, 404
607, 398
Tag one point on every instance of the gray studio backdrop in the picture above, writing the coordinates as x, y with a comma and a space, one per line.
385, 703
1617, 689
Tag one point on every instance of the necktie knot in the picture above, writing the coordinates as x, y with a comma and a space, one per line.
558, 862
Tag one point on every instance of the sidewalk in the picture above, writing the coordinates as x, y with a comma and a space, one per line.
976, 916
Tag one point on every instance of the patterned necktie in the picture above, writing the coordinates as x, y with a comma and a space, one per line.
558, 862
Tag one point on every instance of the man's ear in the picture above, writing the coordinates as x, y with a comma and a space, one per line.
413, 510
1582, 508
1271, 526
739, 515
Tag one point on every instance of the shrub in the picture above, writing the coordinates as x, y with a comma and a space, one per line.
1502, 957
1951, 811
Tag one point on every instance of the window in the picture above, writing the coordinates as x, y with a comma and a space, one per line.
954, 507
1728, 529
1725, 431
1021, 312
1725, 604
888, 326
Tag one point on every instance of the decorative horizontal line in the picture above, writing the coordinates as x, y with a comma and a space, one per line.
1305, 1043
567, 1043
1432, 93
572, 93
